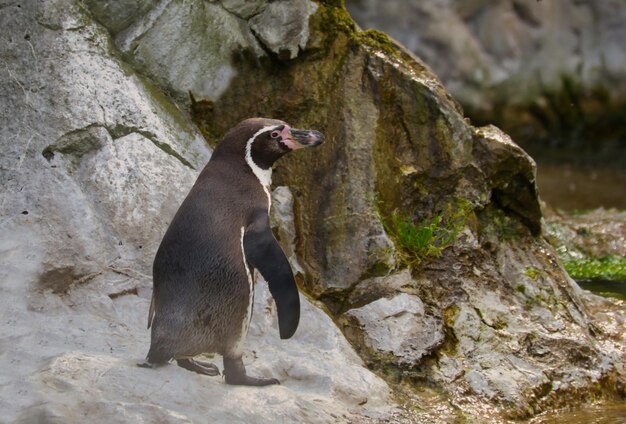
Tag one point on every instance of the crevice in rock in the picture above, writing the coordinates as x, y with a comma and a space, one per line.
125, 292
81, 141
263, 46
525, 14
239, 14
76, 142
120, 131
170, 151
337, 300
51, 27
495, 326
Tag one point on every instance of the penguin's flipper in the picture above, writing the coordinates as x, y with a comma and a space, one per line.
263, 252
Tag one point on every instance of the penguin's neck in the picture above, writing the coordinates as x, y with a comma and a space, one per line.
263, 175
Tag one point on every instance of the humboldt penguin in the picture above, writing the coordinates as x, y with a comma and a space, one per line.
203, 270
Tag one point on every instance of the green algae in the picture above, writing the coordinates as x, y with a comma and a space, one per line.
533, 273
608, 268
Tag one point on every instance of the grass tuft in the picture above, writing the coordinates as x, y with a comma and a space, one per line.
416, 242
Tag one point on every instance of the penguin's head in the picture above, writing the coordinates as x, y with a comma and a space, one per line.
266, 140
272, 139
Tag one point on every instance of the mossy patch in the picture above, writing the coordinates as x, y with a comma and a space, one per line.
608, 268
333, 19
533, 273
379, 41
428, 237
547, 298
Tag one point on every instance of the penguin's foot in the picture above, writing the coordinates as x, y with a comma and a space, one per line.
235, 373
205, 368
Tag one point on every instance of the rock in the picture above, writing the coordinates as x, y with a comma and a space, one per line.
202, 36
486, 52
119, 15
87, 127
370, 289
322, 379
284, 26
245, 9
202, 39
550, 75
511, 172
96, 161
399, 326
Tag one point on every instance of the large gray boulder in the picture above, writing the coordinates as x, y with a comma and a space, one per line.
550, 73
95, 162
487, 51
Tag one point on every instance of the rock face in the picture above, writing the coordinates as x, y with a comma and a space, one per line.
467, 321
482, 49
95, 163
544, 71
96, 160
400, 327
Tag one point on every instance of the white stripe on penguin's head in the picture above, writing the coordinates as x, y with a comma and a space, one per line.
263, 175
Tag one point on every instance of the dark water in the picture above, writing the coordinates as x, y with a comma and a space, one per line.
606, 413
581, 187
614, 289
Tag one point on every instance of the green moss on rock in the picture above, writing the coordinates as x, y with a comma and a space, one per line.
609, 268
379, 41
419, 241
533, 273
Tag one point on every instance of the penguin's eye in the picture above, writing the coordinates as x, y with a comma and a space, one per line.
275, 134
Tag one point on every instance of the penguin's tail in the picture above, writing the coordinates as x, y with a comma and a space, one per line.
158, 356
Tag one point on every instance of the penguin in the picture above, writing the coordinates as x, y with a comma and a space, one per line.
203, 286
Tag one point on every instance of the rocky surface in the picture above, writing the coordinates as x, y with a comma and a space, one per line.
75, 356
510, 48
398, 327
593, 234
549, 73
96, 159
95, 163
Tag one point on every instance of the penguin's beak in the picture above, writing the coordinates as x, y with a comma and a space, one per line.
306, 138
